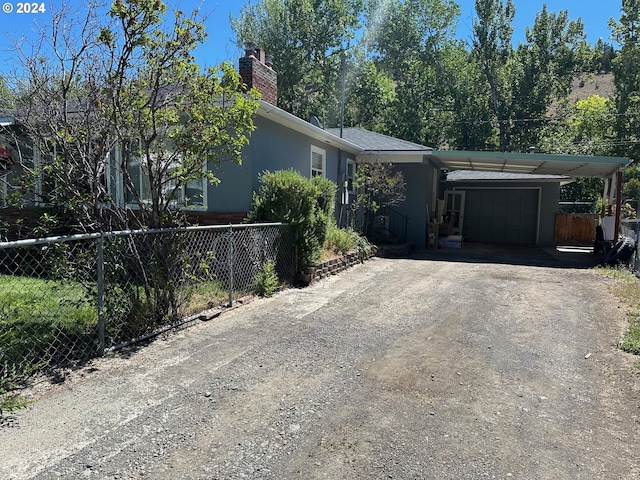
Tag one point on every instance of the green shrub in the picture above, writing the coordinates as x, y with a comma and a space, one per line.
12, 378
266, 281
342, 241
307, 205
339, 240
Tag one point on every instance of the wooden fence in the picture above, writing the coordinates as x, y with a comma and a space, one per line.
576, 228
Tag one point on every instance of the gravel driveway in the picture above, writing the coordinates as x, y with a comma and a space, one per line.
398, 368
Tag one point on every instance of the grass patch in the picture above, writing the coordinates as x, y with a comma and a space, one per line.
205, 295
38, 318
35, 315
25, 300
627, 288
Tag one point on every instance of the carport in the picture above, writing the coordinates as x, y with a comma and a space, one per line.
513, 197
421, 166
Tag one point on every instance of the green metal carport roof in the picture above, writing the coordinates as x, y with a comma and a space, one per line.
530, 163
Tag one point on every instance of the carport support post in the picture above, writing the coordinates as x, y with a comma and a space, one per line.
618, 204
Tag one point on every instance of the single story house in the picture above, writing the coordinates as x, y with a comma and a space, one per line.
507, 198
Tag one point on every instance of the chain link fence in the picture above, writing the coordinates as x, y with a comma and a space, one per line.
631, 228
67, 299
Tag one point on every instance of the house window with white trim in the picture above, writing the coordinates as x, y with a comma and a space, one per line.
192, 195
139, 176
195, 194
351, 175
318, 162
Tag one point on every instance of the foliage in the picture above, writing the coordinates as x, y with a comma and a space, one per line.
342, 241
628, 211
631, 186
410, 76
339, 240
406, 41
120, 100
470, 127
555, 51
11, 379
122, 96
379, 185
371, 99
627, 78
304, 37
492, 32
34, 313
627, 288
582, 190
266, 281
307, 205
326, 204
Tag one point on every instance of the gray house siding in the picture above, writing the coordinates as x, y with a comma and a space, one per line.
506, 208
419, 196
271, 147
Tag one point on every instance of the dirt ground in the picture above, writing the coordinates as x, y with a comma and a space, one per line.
442, 366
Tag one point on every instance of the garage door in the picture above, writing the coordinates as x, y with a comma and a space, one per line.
501, 216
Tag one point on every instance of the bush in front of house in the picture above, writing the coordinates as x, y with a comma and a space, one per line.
325, 207
306, 205
341, 241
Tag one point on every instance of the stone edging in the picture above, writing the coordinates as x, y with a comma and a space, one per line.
331, 267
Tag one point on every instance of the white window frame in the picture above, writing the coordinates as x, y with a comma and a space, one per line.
314, 171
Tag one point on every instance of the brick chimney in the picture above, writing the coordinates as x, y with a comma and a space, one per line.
256, 71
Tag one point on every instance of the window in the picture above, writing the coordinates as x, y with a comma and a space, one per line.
351, 175
318, 162
192, 195
139, 175
114, 179
195, 194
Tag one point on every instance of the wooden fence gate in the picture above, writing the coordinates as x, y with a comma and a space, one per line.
576, 228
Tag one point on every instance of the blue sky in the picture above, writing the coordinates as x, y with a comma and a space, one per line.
220, 47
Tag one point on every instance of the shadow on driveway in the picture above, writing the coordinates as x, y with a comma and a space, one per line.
558, 257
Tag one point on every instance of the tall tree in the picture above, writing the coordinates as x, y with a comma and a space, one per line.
553, 54
304, 39
122, 100
471, 127
406, 40
626, 32
492, 36
585, 128
371, 98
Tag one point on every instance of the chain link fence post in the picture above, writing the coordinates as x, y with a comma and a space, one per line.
230, 264
100, 282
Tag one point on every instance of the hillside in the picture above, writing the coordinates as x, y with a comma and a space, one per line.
589, 85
